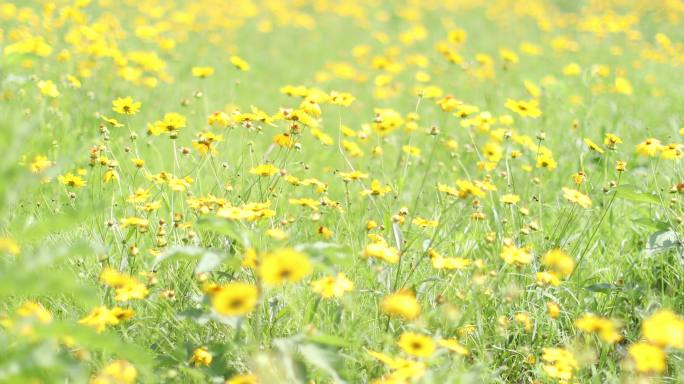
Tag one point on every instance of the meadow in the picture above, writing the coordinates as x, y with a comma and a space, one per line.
352, 191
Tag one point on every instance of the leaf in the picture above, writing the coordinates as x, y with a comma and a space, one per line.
21, 282
208, 260
398, 238
651, 223
629, 192
329, 340
321, 359
661, 241
334, 254
602, 287
108, 342
224, 227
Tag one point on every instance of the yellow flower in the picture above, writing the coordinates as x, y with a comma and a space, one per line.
579, 177
126, 287
354, 175
171, 123
9, 245
648, 147
403, 370
466, 188
73, 81
48, 88
382, 251
546, 160
620, 165
205, 141
116, 372
524, 108
332, 286
532, 89
235, 299
593, 146
454, 346
201, 356
386, 120
572, 69
101, 317
611, 140
553, 309
416, 345
576, 197
39, 164
239, 63
35, 310
524, 320
126, 106
284, 265
139, 222
341, 98
665, 329
623, 86
72, 180
243, 379
411, 150
264, 170
559, 262
202, 72
449, 263
647, 358
376, 189
425, 223
516, 256
306, 202
402, 304
547, 278
605, 328
510, 198
559, 363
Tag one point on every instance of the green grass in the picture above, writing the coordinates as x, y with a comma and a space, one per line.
625, 245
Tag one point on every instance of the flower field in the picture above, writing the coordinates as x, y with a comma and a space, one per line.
352, 191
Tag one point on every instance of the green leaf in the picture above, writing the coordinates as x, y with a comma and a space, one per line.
22, 282
662, 241
208, 260
322, 359
228, 228
329, 340
602, 287
629, 192
651, 223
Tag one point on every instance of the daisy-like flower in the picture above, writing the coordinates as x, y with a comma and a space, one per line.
240, 63
234, 299
402, 304
202, 72
606, 329
284, 265
72, 180
576, 197
332, 286
416, 344
559, 363
201, 356
118, 371
664, 328
647, 358
126, 106
524, 108
48, 88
